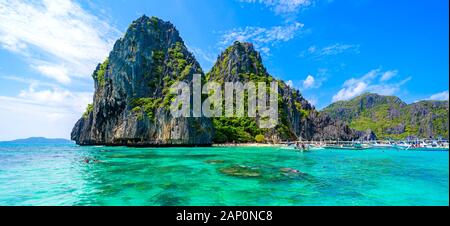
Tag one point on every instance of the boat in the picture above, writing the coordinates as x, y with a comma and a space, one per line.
402, 146
349, 146
376, 144
302, 148
315, 147
289, 147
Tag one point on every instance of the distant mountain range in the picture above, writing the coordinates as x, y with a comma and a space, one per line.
390, 117
38, 140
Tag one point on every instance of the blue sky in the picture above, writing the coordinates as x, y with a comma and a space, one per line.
329, 49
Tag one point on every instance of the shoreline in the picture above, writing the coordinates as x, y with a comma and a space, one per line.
247, 145
404, 145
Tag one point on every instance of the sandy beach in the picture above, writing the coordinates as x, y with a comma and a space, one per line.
247, 145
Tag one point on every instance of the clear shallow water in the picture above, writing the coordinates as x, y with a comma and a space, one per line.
59, 175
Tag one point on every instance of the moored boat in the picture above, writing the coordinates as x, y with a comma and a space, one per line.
349, 146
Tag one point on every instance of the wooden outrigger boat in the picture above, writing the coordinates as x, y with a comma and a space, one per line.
349, 146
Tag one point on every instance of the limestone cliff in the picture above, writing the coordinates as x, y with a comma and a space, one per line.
132, 99
297, 118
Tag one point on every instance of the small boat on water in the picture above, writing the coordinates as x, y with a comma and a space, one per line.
349, 146
295, 148
316, 147
401, 145
289, 147
376, 144
302, 147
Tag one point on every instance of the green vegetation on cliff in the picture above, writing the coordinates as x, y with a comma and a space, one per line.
242, 63
88, 111
146, 105
99, 74
242, 129
260, 138
177, 61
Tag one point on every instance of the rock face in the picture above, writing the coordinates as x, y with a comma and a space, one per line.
368, 135
389, 117
297, 117
323, 127
428, 118
131, 100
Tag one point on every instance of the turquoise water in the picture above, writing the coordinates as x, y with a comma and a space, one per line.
59, 175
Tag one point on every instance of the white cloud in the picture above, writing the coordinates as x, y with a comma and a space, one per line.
28, 81
350, 91
367, 83
12, 44
312, 49
338, 48
309, 82
265, 50
331, 50
388, 75
60, 30
206, 58
440, 96
41, 111
57, 72
23, 119
283, 6
315, 81
313, 100
262, 38
290, 83
371, 75
51, 95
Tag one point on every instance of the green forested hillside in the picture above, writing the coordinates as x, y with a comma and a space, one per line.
390, 117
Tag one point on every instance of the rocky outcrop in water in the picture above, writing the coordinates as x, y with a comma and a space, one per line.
131, 100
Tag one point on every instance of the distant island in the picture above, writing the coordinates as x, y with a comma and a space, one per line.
132, 99
38, 140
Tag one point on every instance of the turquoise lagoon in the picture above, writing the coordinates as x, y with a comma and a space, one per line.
59, 175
